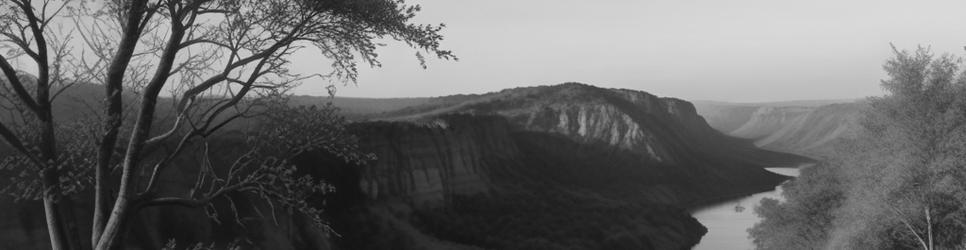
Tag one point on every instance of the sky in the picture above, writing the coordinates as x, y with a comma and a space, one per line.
735, 50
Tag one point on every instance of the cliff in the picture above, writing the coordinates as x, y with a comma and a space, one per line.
434, 179
422, 164
666, 129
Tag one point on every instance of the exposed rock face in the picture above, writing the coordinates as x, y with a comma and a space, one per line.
661, 128
433, 163
673, 140
423, 163
590, 123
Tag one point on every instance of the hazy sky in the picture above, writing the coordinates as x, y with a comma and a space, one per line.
735, 50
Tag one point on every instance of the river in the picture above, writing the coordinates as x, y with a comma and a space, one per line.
728, 222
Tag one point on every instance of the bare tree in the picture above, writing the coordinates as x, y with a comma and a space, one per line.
216, 58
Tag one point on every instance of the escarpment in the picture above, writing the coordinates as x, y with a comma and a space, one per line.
424, 163
435, 174
664, 131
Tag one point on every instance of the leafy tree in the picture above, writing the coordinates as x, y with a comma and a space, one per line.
218, 59
899, 183
803, 220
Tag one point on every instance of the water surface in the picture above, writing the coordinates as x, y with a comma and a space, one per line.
728, 222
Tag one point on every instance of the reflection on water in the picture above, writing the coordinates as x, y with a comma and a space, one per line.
729, 221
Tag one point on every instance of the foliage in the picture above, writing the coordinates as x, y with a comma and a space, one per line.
221, 61
801, 221
899, 184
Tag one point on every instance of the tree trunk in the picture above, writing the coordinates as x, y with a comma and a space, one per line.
58, 241
55, 221
111, 236
114, 110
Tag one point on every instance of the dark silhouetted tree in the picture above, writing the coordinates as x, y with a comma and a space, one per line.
218, 59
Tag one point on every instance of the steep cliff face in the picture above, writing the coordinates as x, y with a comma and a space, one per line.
424, 163
665, 129
666, 133
434, 178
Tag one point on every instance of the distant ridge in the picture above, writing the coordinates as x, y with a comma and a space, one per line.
791, 103
797, 126
360, 105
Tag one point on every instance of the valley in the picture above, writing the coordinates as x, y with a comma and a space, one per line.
548, 166
537, 155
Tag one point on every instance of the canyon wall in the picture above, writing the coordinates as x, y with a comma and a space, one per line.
423, 163
426, 167
667, 134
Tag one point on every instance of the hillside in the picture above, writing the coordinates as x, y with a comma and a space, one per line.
810, 133
766, 121
356, 106
805, 130
725, 118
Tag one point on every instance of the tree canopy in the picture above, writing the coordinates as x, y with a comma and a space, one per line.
220, 61
899, 184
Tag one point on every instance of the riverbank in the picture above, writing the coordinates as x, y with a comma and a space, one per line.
728, 221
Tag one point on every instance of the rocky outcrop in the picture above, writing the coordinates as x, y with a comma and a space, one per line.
667, 133
423, 163
664, 129
432, 166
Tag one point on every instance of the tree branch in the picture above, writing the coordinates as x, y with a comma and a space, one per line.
17, 85
15, 142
